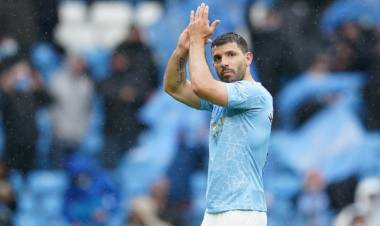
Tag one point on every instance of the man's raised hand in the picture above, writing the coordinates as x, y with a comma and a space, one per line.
200, 28
184, 38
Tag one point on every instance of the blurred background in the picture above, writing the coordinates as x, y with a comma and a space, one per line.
88, 137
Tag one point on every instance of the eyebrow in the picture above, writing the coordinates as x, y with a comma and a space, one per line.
230, 51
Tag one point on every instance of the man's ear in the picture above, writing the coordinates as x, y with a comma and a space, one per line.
249, 57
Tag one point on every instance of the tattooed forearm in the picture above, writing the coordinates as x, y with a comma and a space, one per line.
181, 67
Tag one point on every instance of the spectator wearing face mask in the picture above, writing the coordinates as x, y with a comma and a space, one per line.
21, 95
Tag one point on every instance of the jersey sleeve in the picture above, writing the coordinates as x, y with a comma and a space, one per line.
205, 105
244, 95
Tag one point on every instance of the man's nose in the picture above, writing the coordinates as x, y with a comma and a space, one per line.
224, 62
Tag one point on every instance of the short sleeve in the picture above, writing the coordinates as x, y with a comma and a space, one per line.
205, 105
244, 95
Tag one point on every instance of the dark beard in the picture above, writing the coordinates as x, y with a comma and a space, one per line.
231, 79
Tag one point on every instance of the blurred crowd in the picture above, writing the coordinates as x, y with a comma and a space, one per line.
88, 138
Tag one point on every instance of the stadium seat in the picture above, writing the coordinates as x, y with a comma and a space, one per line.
72, 12
76, 38
26, 220
26, 202
99, 63
148, 13
111, 12
45, 59
47, 182
111, 36
45, 137
111, 21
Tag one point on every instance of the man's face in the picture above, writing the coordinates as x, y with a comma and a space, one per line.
78, 65
230, 62
120, 63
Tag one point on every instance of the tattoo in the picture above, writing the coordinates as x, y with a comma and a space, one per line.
181, 67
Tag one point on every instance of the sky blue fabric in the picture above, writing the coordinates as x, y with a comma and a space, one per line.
238, 148
307, 87
332, 141
361, 11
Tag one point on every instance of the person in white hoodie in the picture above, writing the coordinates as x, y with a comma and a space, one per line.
72, 90
365, 211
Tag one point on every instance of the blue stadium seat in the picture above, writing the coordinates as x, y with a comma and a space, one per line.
46, 59
47, 182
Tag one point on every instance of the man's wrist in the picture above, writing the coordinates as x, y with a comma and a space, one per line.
197, 41
183, 52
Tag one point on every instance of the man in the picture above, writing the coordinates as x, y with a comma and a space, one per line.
22, 95
73, 91
240, 121
125, 91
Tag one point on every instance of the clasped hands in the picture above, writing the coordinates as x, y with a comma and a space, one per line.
199, 27
198, 30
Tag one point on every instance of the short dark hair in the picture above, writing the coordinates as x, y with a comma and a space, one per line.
231, 37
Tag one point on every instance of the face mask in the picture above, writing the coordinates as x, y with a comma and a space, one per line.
22, 83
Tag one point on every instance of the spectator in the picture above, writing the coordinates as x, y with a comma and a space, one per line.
315, 89
365, 210
22, 94
352, 48
141, 58
372, 91
146, 210
92, 197
274, 56
295, 110
8, 202
312, 203
144, 213
132, 80
187, 160
72, 90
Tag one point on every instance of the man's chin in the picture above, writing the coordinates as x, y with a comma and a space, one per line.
229, 80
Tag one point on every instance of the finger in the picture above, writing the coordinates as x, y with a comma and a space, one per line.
197, 12
205, 13
202, 10
192, 16
214, 25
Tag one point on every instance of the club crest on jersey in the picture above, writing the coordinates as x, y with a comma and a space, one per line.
216, 127
270, 117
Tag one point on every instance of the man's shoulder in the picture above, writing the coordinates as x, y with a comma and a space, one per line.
253, 88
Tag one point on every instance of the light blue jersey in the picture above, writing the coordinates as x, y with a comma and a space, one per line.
238, 148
